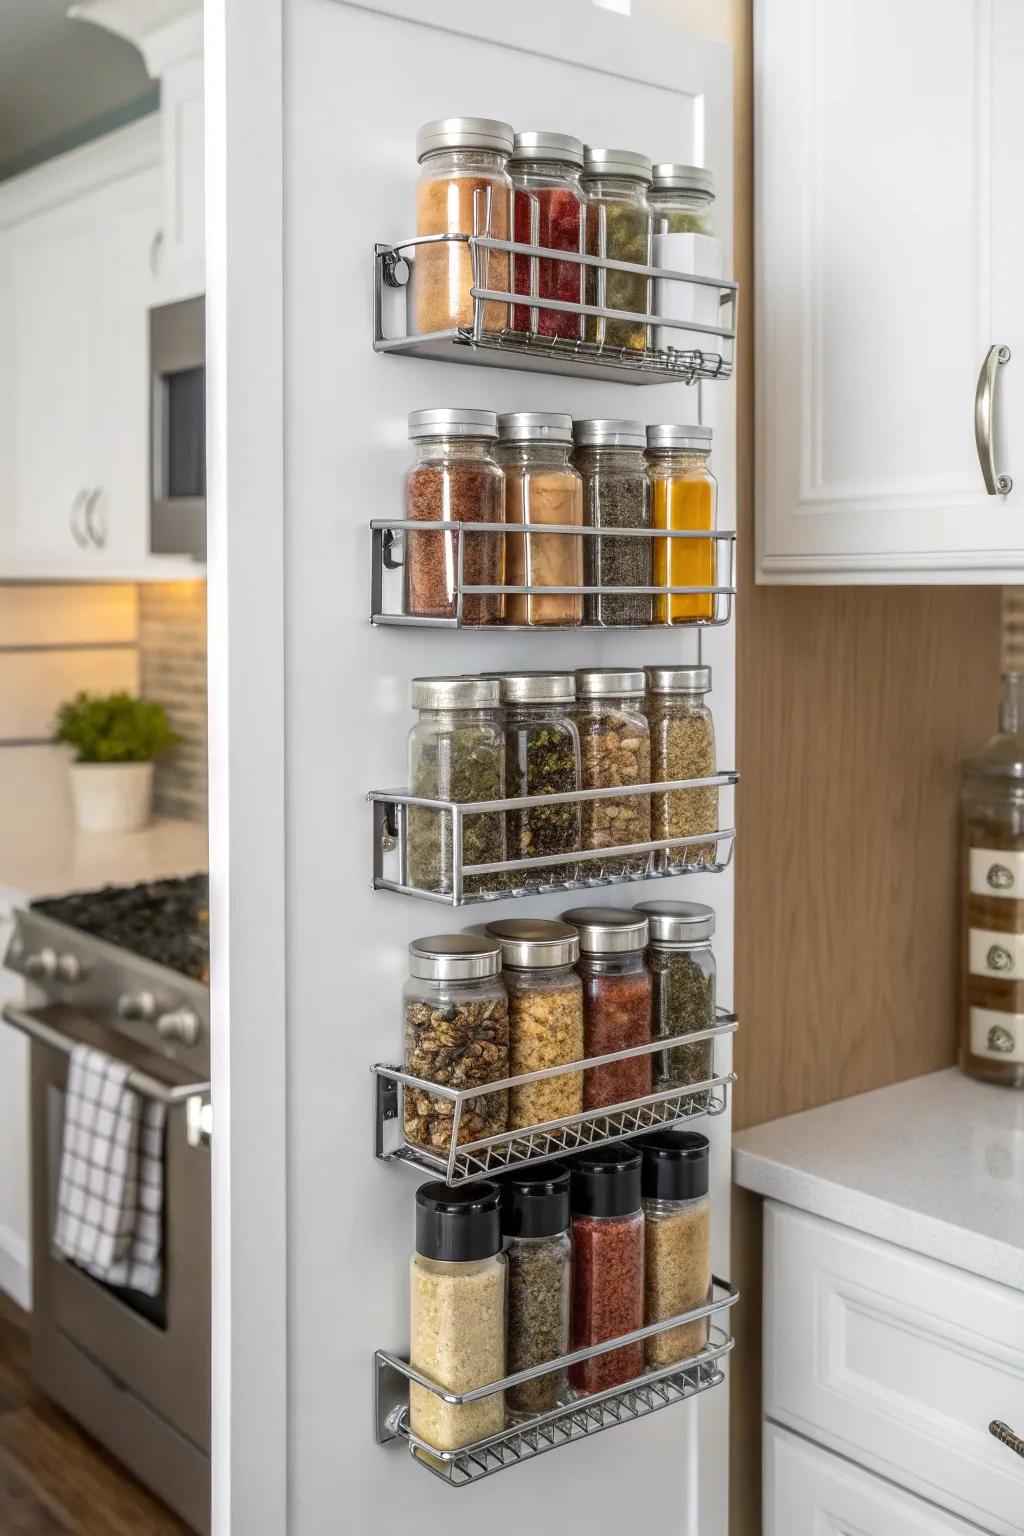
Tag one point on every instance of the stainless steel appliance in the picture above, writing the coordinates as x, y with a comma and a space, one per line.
177, 429
133, 1369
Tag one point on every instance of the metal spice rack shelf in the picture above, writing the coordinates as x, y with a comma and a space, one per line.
388, 553
390, 843
508, 348
525, 1145
635, 1399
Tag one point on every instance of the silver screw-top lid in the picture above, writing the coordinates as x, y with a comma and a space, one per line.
535, 427
530, 943
452, 421
455, 693
548, 146
595, 683
678, 922
608, 930
465, 133
683, 178
678, 679
610, 433
673, 435
616, 162
454, 957
537, 687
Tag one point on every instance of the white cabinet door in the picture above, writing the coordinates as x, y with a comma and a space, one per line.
182, 257
890, 240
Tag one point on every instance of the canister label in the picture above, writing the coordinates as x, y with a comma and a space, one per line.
996, 954
999, 1036
997, 872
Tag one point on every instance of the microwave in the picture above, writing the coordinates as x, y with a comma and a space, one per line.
177, 429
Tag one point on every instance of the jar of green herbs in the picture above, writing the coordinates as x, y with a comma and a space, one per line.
618, 227
682, 967
542, 757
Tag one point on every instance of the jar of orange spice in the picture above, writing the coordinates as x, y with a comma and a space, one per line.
683, 494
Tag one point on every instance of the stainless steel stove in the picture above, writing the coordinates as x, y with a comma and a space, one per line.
133, 1369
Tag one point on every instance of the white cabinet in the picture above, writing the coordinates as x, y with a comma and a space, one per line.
890, 241
183, 249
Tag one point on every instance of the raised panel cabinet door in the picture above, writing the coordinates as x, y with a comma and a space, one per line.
890, 239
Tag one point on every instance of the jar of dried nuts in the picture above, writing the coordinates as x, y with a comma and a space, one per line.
682, 970
682, 747
456, 1034
615, 752
535, 1224
616, 1001
677, 1271
545, 1004
607, 1265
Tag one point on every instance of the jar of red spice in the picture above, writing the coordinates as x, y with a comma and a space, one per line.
547, 210
616, 1001
607, 1265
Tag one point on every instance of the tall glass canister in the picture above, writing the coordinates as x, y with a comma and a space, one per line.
992, 949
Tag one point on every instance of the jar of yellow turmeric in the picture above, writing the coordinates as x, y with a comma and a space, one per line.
683, 495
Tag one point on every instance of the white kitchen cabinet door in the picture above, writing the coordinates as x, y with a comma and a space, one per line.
811, 1492
890, 241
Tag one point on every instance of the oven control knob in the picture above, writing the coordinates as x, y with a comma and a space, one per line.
181, 1026
136, 1007
42, 963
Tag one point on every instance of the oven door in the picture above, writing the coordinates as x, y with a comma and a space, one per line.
156, 1347
177, 433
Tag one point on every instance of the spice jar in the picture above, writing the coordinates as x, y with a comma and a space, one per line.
547, 210
456, 1033
535, 1224
992, 949
615, 751
545, 1003
616, 1001
456, 752
541, 486
683, 492
455, 479
616, 494
607, 1265
458, 1282
681, 199
682, 747
677, 1269
542, 757
463, 189
619, 228
682, 969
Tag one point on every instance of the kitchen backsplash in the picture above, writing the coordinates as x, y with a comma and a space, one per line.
172, 668
1013, 627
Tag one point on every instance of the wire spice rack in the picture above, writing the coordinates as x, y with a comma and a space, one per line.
388, 558
394, 267
635, 1399
519, 1148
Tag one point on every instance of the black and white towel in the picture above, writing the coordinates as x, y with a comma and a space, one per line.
111, 1189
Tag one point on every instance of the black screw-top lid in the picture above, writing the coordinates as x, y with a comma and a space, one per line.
457, 1225
676, 1165
535, 1204
606, 1182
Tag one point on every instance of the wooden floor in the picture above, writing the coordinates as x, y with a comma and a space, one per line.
55, 1480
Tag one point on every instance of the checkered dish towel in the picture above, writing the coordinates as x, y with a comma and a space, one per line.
111, 1190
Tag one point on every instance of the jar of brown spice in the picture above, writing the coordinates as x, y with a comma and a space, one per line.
615, 751
616, 1001
545, 998
464, 189
677, 1257
682, 747
607, 1265
541, 487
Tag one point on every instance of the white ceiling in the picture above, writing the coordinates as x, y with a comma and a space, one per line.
57, 76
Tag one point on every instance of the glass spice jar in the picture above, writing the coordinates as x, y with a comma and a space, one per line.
682, 747
677, 1246
683, 495
535, 1224
545, 1007
456, 1033
458, 1291
992, 905
457, 753
541, 486
547, 210
607, 1265
616, 494
542, 757
463, 189
615, 752
616, 1001
682, 199
683, 973
455, 479
618, 227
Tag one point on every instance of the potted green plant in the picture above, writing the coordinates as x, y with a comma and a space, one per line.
116, 739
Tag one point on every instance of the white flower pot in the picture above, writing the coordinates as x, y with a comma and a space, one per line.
111, 797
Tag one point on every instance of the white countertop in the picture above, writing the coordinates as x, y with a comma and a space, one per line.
935, 1164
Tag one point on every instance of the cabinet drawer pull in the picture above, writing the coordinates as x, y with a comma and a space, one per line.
95, 524
1006, 1436
984, 421
77, 532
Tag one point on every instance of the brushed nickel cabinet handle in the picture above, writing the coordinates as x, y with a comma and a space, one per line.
80, 538
1005, 1435
984, 421
96, 526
